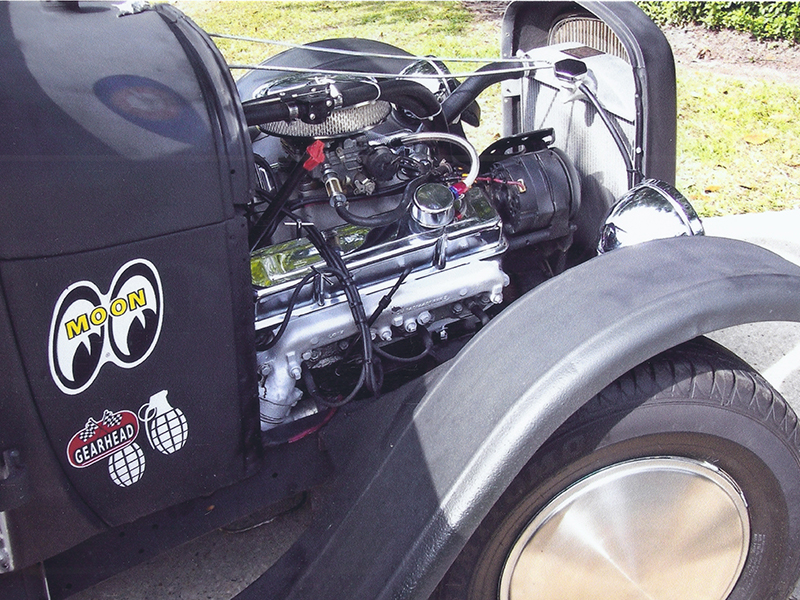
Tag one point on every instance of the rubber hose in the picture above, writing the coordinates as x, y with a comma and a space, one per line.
469, 90
411, 96
385, 218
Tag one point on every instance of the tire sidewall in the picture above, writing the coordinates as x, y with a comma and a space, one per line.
735, 439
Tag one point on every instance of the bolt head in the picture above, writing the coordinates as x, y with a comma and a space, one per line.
265, 369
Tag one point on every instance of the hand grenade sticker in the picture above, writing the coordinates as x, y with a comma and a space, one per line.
164, 424
126, 466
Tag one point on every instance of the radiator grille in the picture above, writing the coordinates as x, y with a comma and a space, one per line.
580, 133
589, 32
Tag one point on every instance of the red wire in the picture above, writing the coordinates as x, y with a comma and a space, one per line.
313, 429
493, 180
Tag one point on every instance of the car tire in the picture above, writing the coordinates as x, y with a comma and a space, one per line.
681, 480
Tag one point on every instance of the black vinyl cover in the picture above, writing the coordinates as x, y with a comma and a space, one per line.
112, 130
128, 356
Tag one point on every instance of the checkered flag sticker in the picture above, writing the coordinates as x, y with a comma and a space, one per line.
89, 430
108, 420
111, 419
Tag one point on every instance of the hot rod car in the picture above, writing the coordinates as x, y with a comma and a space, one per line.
488, 367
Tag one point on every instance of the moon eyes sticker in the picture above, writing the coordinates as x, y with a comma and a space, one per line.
90, 329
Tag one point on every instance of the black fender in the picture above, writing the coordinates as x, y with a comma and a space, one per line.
413, 484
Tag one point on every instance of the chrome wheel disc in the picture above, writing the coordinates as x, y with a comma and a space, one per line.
645, 529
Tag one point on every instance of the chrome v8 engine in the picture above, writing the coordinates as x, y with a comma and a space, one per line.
447, 270
396, 234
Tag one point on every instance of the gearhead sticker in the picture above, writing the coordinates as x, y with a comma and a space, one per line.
114, 437
100, 439
90, 329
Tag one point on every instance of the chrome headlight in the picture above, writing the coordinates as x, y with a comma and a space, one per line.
651, 210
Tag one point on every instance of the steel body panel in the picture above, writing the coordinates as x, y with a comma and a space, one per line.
123, 268
286, 471
147, 125
413, 489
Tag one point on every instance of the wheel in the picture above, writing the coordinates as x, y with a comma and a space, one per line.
681, 481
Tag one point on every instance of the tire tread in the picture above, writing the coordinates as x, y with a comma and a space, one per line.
699, 369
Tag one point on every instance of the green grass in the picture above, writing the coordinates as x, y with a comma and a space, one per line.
439, 28
738, 143
738, 140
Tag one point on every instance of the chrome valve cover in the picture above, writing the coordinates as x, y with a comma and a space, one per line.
448, 266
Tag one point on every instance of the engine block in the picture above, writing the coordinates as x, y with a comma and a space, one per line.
447, 267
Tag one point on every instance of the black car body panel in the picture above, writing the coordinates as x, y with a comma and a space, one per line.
124, 269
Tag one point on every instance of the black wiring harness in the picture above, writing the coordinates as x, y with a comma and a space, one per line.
371, 373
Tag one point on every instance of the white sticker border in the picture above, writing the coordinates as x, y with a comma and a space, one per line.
106, 357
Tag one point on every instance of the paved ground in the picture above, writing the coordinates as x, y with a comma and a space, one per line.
772, 348
216, 566
220, 564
